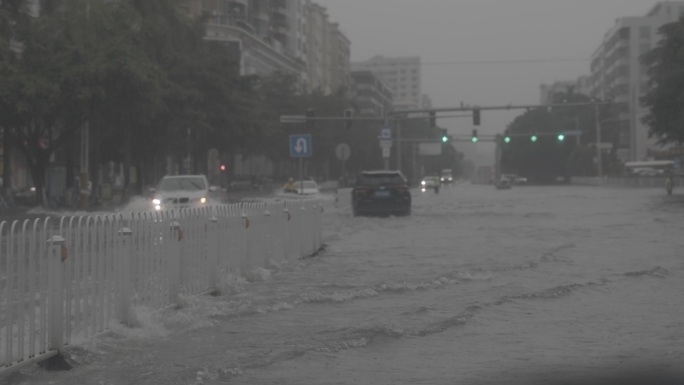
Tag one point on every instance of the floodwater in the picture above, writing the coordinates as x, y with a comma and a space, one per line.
478, 286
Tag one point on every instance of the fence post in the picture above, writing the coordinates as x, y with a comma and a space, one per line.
126, 250
269, 235
175, 265
287, 234
302, 230
246, 258
58, 254
214, 255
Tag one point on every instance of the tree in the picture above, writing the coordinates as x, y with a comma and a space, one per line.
543, 160
664, 97
44, 81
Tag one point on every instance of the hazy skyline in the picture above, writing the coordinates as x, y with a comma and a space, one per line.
476, 51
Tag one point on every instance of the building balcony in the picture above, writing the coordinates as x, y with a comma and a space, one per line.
239, 3
262, 16
279, 30
279, 9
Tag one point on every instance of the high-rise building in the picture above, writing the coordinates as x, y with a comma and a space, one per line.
372, 96
293, 36
617, 74
318, 47
340, 52
401, 74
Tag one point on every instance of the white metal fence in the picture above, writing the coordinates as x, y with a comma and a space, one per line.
68, 278
630, 182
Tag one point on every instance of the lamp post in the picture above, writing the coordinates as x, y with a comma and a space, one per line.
599, 151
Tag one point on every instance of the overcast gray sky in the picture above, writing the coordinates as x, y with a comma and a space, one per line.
447, 34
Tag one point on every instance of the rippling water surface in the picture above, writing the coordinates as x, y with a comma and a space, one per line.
477, 286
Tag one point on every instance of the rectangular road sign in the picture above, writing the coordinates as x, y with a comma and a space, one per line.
292, 119
300, 146
385, 133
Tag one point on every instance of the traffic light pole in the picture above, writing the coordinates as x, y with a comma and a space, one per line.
599, 150
398, 125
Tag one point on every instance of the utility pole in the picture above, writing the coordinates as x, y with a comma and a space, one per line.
398, 124
599, 159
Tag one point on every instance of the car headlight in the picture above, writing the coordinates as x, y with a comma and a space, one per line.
203, 200
423, 183
156, 201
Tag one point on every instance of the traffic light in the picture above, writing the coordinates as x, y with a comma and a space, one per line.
348, 121
433, 119
474, 138
223, 167
533, 138
445, 136
507, 137
476, 117
561, 137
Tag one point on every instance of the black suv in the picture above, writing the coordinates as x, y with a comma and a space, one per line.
381, 192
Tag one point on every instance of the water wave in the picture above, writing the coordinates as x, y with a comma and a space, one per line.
657, 272
336, 297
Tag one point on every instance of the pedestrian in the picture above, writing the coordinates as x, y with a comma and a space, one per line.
290, 186
669, 184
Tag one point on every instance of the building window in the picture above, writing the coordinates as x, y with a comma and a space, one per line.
645, 32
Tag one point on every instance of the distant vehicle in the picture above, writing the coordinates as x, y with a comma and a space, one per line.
381, 192
503, 183
181, 191
515, 179
647, 171
241, 183
307, 187
447, 176
650, 167
429, 183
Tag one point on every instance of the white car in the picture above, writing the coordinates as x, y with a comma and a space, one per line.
181, 191
429, 182
307, 187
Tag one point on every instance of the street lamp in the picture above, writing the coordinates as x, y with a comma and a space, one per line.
599, 151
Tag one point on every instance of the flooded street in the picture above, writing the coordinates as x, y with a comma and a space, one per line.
477, 286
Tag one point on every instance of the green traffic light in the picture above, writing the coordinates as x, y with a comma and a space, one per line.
445, 139
474, 139
561, 137
507, 139
533, 138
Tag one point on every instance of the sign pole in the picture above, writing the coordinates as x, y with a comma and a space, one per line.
301, 174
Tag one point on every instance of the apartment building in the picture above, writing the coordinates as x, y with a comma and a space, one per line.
340, 53
372, 96
294, 36
618, 75
401, 74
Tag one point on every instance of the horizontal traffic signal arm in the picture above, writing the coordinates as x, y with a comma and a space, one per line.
507, 107
554, 134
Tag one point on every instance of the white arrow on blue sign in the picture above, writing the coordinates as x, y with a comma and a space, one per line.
300, 146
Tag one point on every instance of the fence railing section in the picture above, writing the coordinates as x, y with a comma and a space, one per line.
630, 182
71, 278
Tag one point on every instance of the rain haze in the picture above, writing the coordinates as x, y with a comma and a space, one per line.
491, 52
212, 206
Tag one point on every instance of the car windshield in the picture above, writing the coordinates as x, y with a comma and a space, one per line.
182, 184
380, 179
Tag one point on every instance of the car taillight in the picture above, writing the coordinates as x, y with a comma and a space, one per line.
361, 190
402, 189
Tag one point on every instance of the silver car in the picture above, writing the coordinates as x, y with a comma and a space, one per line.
181, 191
